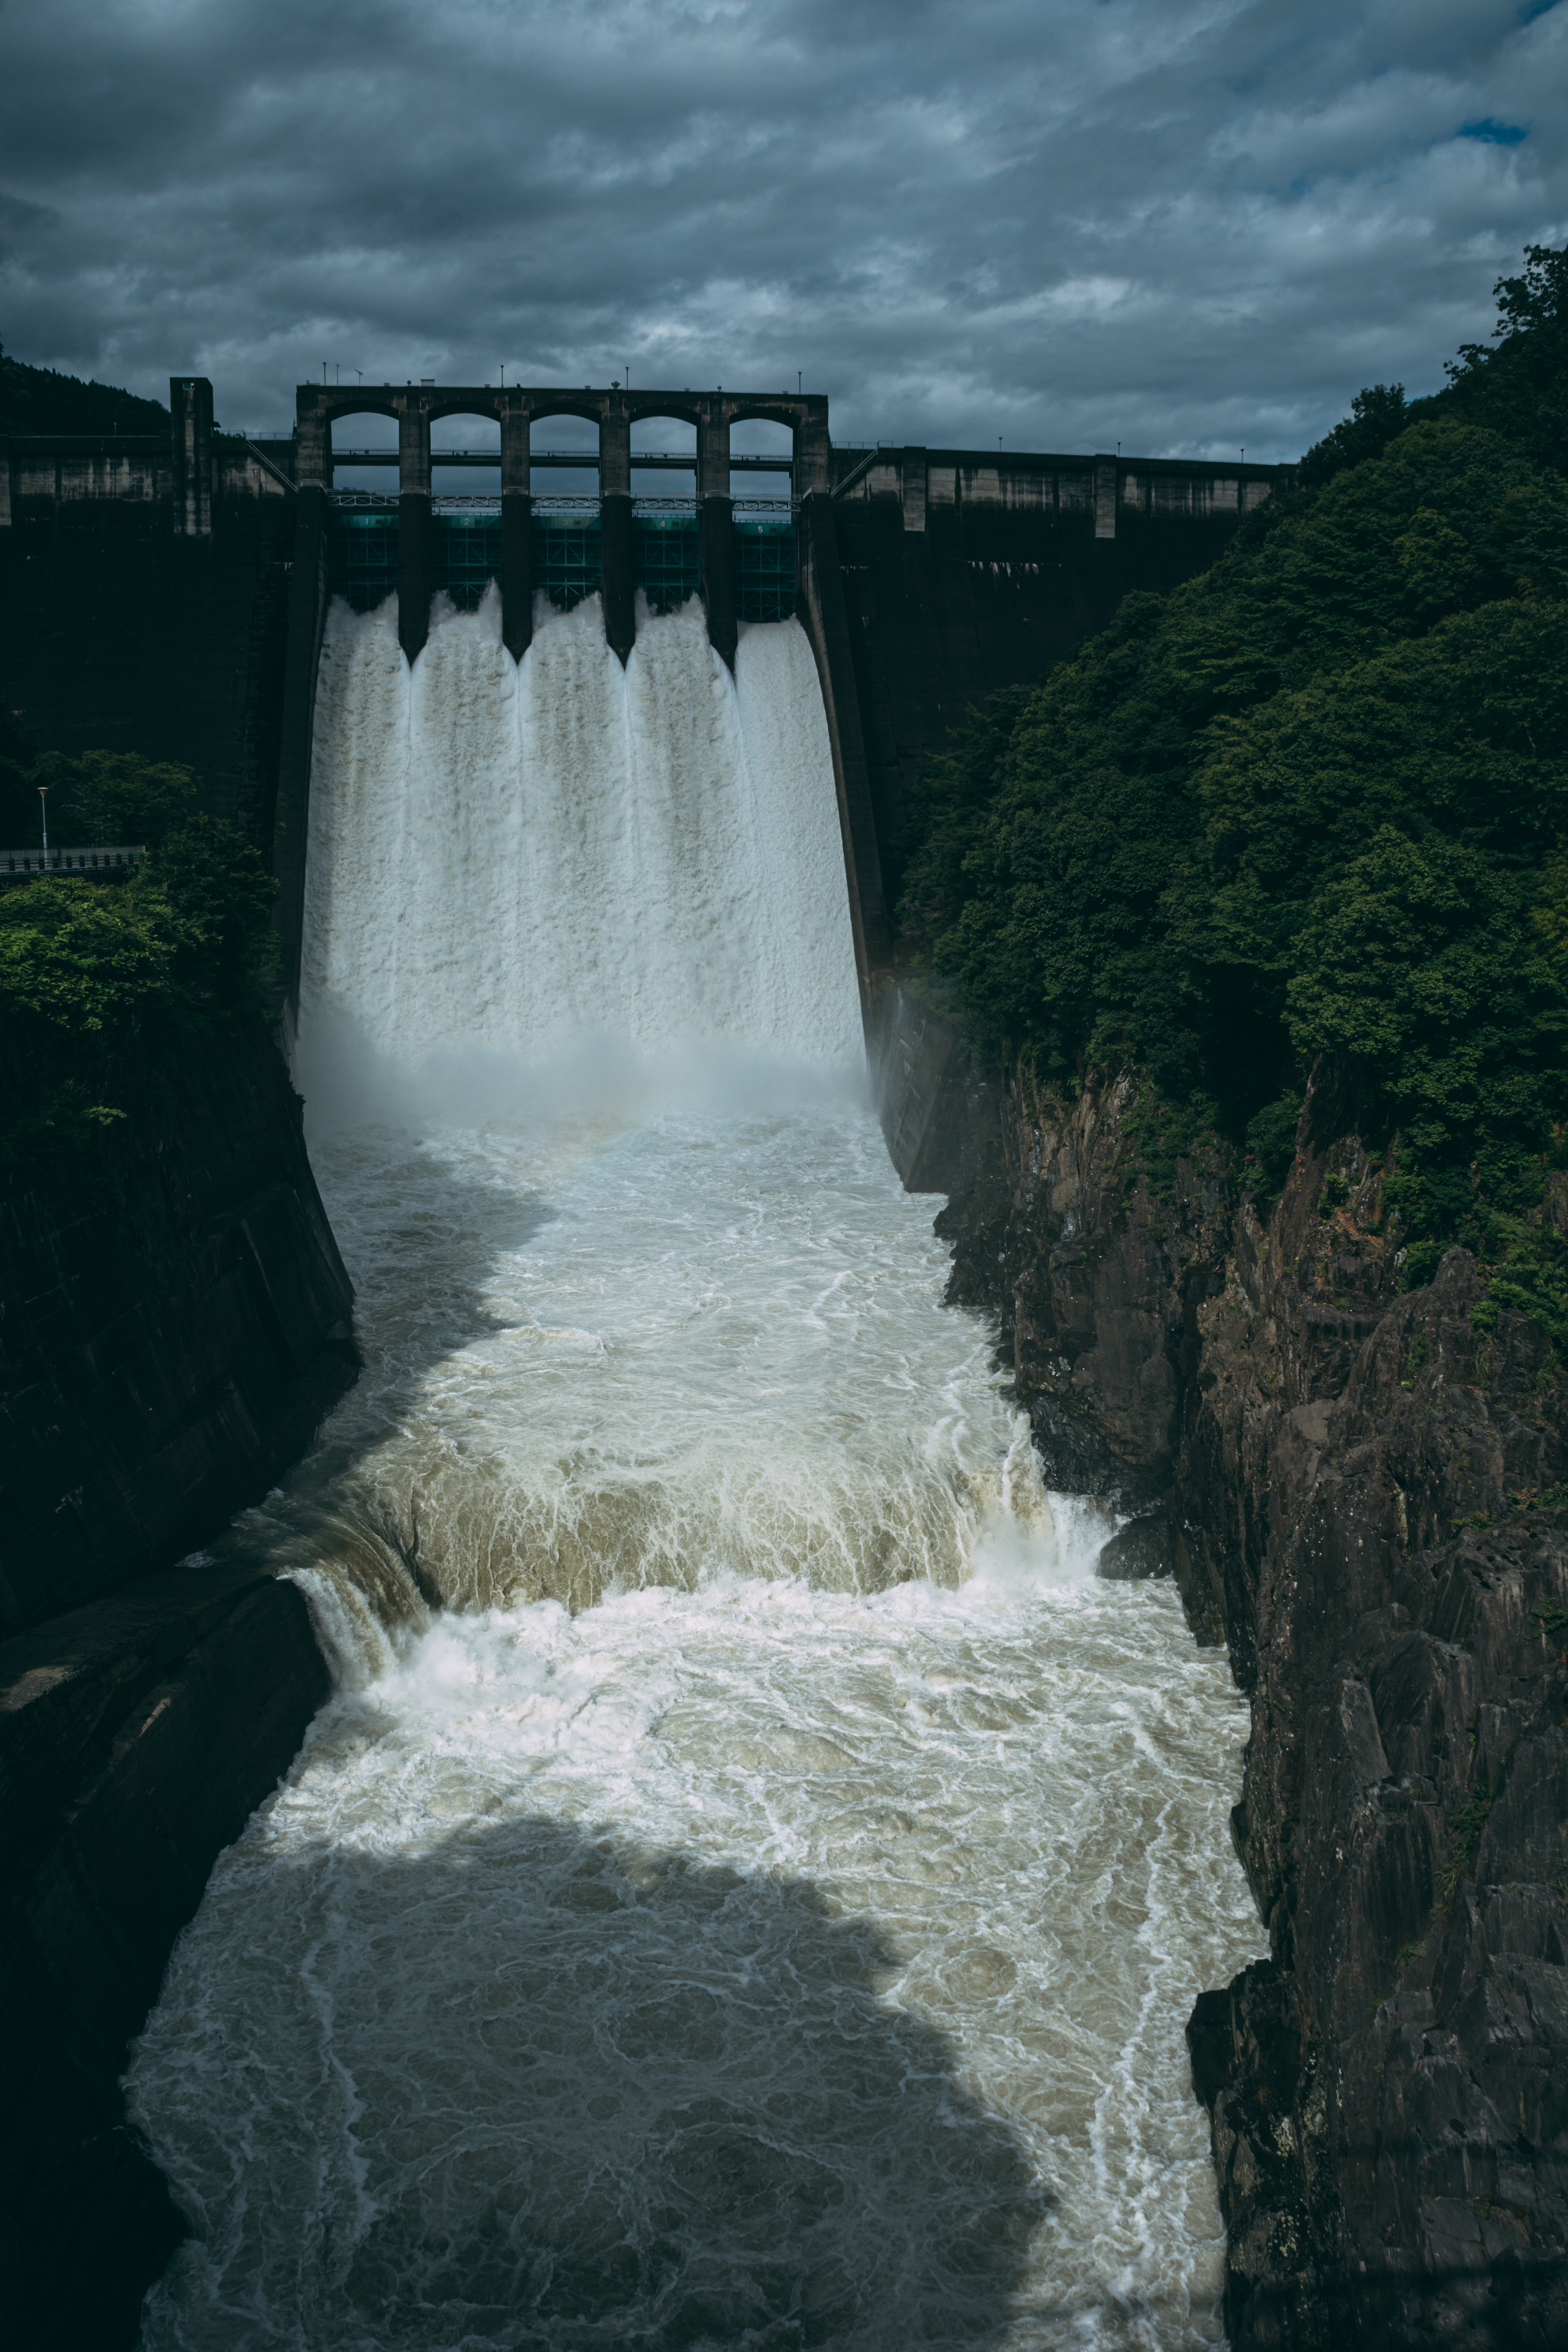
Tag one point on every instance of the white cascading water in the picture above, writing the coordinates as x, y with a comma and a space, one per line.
750, 1883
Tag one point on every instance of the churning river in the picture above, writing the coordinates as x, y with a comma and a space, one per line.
750, 1882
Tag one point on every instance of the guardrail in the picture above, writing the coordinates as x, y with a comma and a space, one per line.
488, 502
116, 860
675, 461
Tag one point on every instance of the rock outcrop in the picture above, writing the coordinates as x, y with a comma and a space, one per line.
136, 1737
1361, 1493
171, 1332
172, 1329
1369, 1509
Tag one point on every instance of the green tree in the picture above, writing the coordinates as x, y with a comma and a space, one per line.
91, 968
1316, 800
1377, 415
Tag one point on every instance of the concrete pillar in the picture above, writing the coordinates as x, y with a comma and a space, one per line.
912, 477
713, 453
719, 571
618, 573
413, 449
191, 443
514, 467
812, 449
416, 569
516, 566
416, 527
313, 443
615, 452
1105, 472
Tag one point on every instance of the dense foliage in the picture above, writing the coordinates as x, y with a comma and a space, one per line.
94, 971
1314, 801
40, 400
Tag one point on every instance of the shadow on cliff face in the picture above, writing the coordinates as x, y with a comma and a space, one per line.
531, 2085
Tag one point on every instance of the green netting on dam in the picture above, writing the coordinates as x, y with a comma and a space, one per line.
466, 556
667, 559
765, 549
362, 557
565, 556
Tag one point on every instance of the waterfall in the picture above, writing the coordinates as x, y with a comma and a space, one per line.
518, 857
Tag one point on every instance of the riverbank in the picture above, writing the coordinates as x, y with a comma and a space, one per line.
1359, 1491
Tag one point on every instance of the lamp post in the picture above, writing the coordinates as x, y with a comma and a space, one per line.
43, 813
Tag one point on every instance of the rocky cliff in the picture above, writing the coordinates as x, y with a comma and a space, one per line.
1361, 1493
173, 1325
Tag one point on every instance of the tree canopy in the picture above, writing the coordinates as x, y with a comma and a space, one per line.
92, 968
42, 400
1315, 801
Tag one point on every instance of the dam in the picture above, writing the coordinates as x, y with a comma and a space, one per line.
169, 595
749, 1881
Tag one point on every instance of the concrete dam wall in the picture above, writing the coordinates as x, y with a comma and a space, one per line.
170, 596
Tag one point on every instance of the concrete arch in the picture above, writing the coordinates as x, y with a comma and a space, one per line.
772, 412
591, 412
468, 403
549, 479
466, 464
358, 403
674, 475
640, 407
386, 458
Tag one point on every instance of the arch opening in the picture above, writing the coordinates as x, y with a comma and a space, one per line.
758, 438
357, 440
554, 437
663, 439
462, 432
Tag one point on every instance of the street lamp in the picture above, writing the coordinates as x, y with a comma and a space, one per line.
44, 811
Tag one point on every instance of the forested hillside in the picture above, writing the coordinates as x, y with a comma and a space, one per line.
1314, 801
41, 400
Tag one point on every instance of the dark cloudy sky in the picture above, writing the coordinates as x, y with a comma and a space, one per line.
1182, 224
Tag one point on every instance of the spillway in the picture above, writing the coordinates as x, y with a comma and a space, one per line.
750, 1882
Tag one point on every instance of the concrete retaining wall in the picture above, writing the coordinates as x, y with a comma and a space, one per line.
964, 572
122, 631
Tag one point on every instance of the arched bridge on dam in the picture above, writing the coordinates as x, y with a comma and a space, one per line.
521, 557
167, 593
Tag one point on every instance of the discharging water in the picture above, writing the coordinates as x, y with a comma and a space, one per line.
761, 1906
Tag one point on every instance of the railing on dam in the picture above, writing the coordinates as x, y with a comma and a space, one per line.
117, 859
566, 544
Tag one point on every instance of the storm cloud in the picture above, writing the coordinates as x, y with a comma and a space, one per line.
1186, 225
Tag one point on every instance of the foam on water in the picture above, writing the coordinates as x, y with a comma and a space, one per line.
750, 1885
